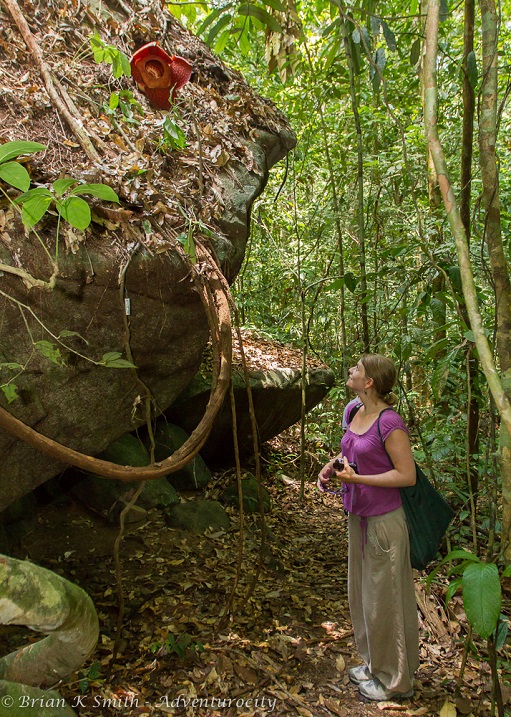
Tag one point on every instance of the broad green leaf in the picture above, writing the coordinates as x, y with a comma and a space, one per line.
211, 18
262, 15
415, 52
34, 208
217, 28
60, 186
189, 246
76, 211
11, 365
50, 351
33, 194
222, 41
454, 585
501, 631
375, 23
472, 72
113, 102
333, 53
11, 150
389, 36
10, 392
275, 5
120, 65
102, 191
112, 359
351, 281
507, 572
482, 597
16, 175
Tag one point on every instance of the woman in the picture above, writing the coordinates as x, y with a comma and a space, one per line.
380, 579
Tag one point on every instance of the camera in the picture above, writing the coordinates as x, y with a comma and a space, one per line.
339, 465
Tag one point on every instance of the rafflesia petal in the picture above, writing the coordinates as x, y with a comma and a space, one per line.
156, 74
181, 71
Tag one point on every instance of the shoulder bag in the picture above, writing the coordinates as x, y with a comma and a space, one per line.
427, 514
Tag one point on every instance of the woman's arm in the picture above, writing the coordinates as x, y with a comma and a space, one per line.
403, 473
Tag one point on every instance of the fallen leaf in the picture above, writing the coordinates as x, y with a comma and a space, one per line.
448, 709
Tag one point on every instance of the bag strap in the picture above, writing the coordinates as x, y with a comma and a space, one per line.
381, 437
353, 411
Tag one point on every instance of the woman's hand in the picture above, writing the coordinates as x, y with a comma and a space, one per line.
347, 474
324, 476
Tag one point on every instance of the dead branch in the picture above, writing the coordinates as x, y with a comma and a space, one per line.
74, 123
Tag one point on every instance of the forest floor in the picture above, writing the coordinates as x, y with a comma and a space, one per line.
285, 646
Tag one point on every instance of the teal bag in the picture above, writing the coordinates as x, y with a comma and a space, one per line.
428, 515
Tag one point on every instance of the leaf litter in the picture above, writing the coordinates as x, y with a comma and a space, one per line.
284, 650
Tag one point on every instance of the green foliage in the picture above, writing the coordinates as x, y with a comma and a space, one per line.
13, 173
111, 56
91, 675
178, 645
173, 136
124, 101
69, 205
481, 590
113, 359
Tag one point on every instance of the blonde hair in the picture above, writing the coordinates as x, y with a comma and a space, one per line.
384, 374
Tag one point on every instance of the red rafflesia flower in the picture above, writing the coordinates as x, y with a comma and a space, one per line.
157, 74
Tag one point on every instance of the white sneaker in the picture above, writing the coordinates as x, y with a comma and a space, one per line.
374, 690
359, 674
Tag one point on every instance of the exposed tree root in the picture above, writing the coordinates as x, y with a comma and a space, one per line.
215, 297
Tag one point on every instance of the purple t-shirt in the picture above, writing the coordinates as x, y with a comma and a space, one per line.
368, 453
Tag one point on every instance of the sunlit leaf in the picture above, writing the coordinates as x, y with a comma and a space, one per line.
16, 175
11, 150
60, 186
50, 351
76, 211
262, 15
102, 191
10, 392
113, 359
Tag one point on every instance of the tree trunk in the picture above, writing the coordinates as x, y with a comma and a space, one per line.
457, 228
493, 234
465, 208
360, 202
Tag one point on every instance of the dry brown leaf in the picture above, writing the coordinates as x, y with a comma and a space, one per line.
340, 664
448, 709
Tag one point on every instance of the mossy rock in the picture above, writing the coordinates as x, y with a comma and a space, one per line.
250, 496
168, 438
197, 516
108, 497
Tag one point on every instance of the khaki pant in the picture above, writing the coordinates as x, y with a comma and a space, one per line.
382, 598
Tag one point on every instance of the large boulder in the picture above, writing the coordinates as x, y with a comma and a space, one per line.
197, 516
58, 336
277, 397
109, 497
168, 438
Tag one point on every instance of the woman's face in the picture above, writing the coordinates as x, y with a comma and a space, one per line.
357, 380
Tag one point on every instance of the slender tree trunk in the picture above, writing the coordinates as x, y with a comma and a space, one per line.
493, 235
457, 228
465, 210
360, 202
